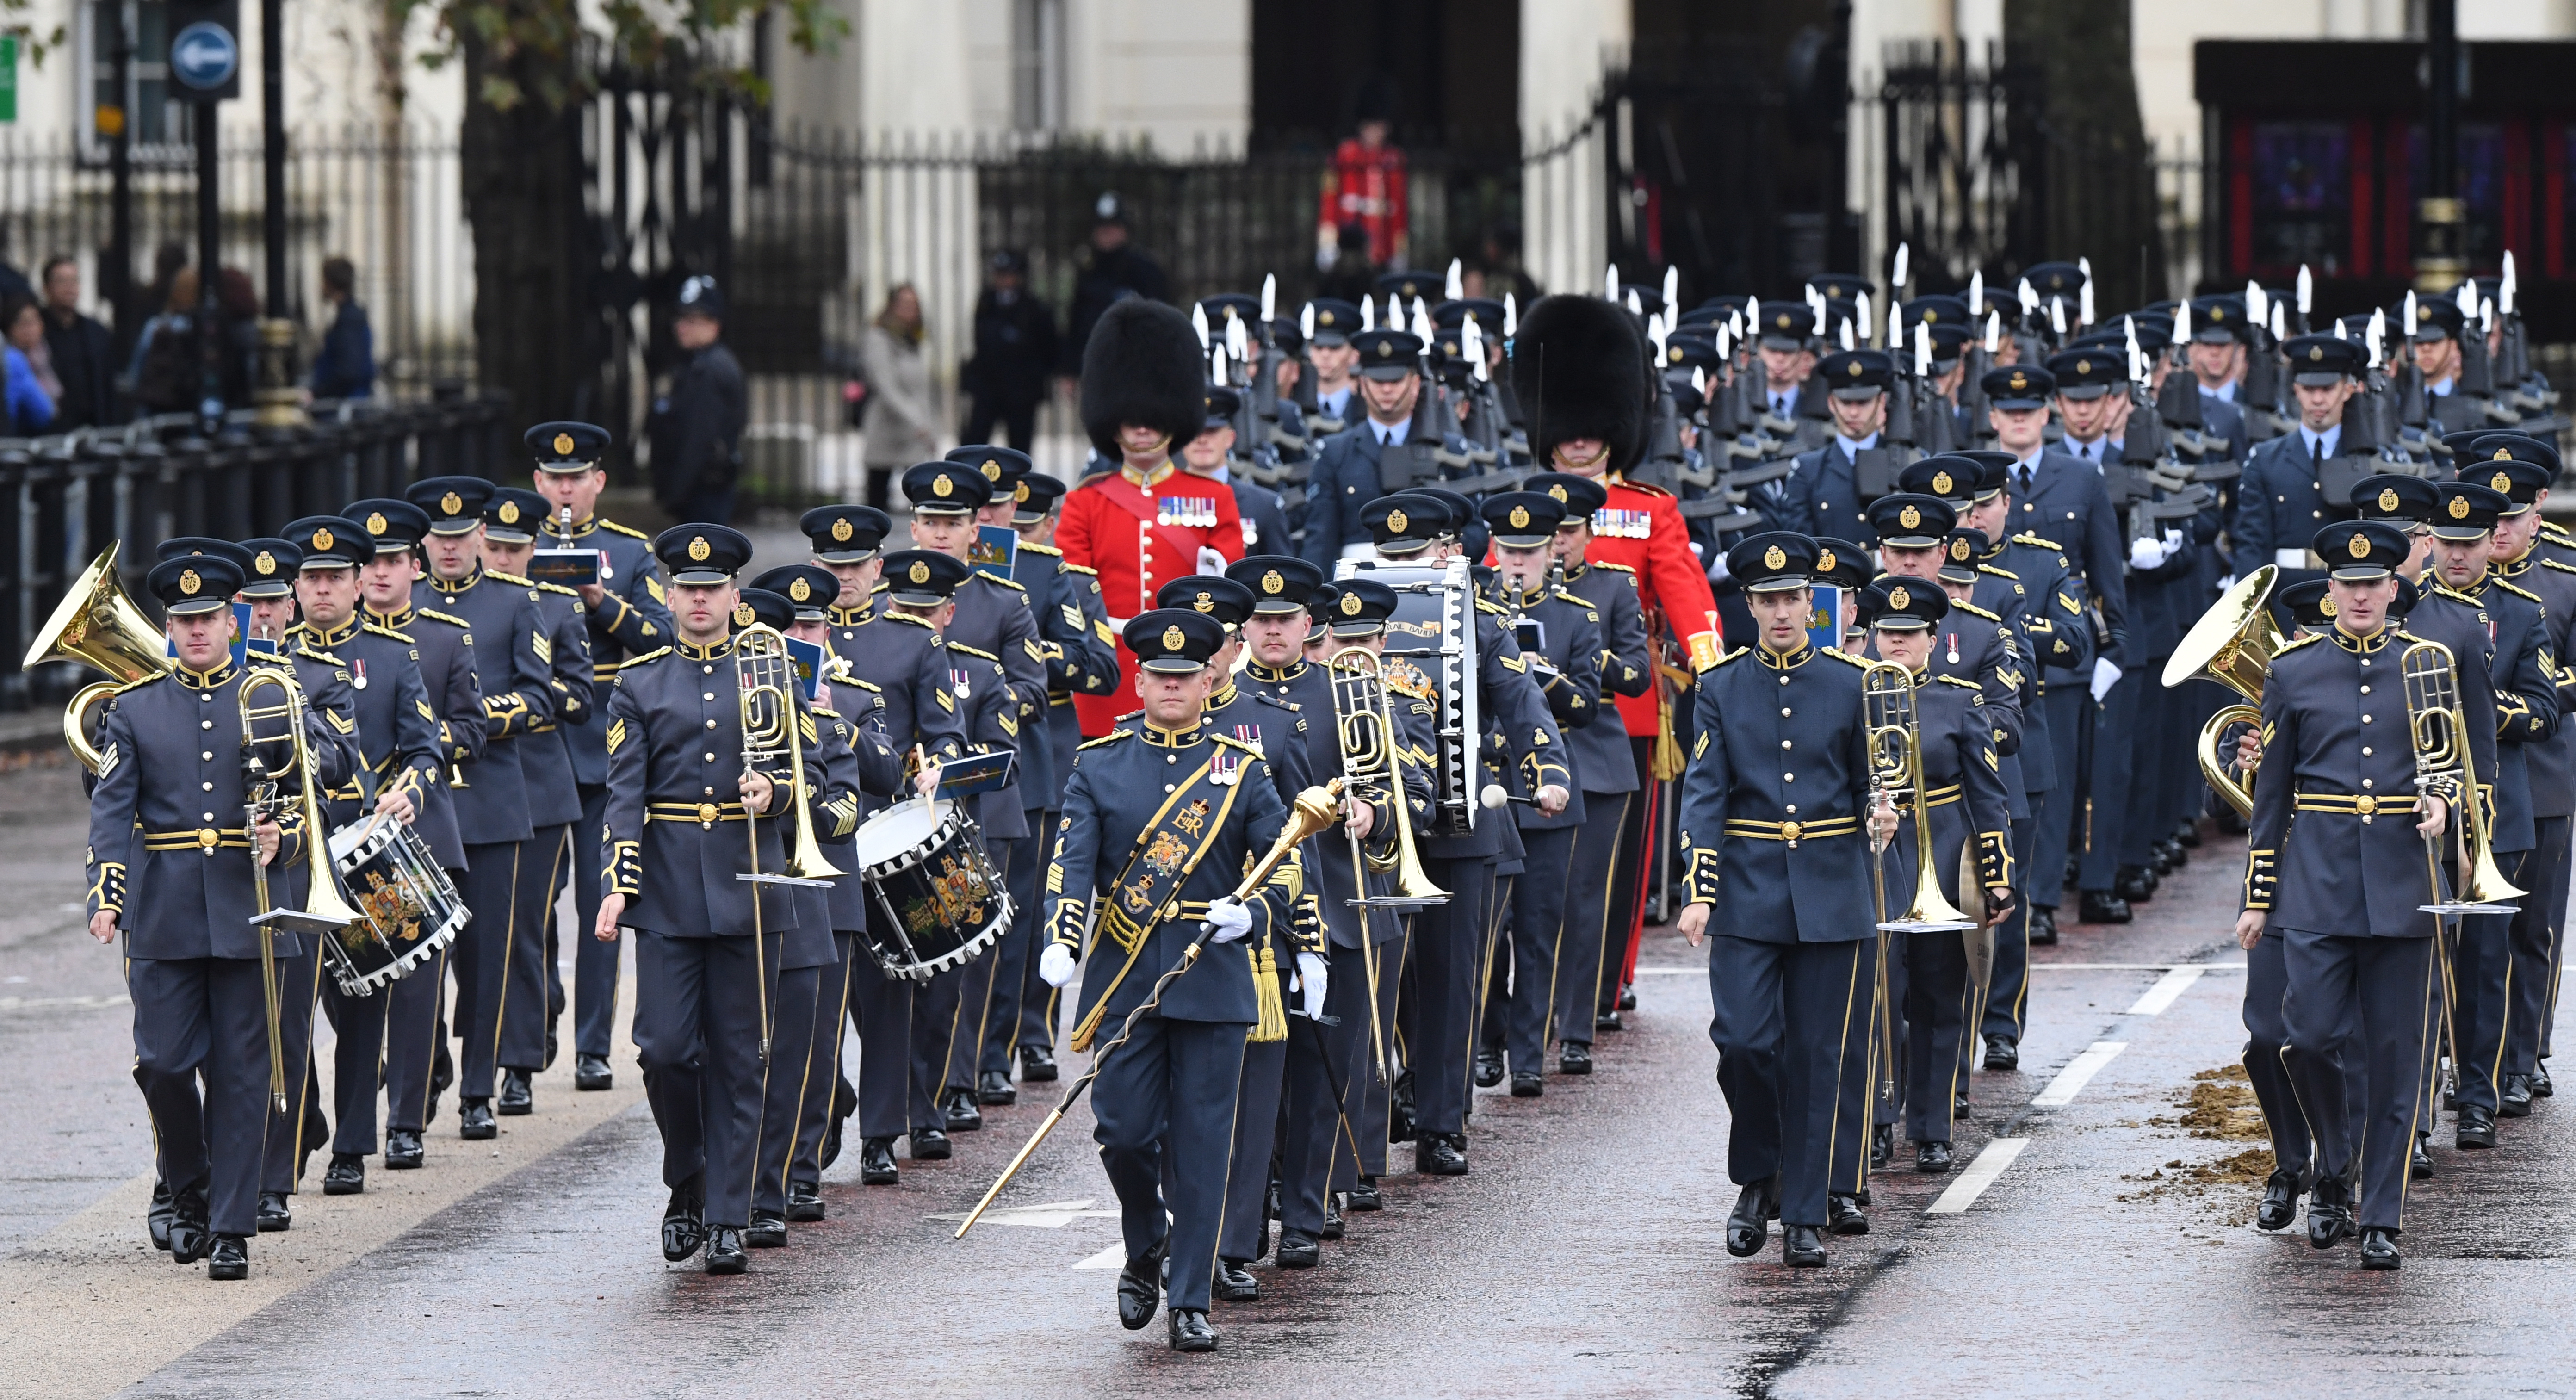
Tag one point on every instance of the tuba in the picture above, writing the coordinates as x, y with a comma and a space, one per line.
95, 623
1364, 725
770, 734
2233, 644
1896, 772
2436, 726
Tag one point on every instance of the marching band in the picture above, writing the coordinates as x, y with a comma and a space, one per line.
1342, 752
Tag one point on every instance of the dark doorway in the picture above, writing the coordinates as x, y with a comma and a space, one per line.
1446, 73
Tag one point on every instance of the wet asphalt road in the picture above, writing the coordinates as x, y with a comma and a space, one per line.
1581, 1256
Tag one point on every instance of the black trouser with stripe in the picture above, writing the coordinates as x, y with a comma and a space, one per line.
1792, 1033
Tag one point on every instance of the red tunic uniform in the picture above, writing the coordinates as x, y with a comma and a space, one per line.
1640, 528
1365, 187
1139, 532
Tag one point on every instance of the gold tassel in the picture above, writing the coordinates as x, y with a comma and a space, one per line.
1273, 1025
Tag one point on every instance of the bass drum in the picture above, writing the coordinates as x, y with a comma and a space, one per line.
939, 901
408, 908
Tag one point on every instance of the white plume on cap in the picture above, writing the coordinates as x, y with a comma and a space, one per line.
1238, 343
1976, 291
1269, 297
1610, 282
1454, 286
1922, 348
2280, 322
2084, 300
1847, 336
1994, 331
1368, 313
1306, 321
1198, 322
1896, 277
2028, 296
2410, 313
1672, 290
2057, 314
2182, 321
2257, 304
2307, 290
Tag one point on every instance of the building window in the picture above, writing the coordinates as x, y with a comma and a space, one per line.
158, 127
1037, 65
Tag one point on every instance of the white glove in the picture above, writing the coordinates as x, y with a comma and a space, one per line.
2105, 675
2145, 553
1230, 920
1055, 965
1717, 570
1311, 976
2227, 583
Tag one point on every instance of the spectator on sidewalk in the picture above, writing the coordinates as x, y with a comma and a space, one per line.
31, 387
82, 350
1113, 269
1015, 352
345, 367
166, 372
898, 374
696, 424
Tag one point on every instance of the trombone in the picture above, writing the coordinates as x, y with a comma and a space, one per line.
1896, 774
2436, 725
1365, 730
324, 909
769, 733
2233, 644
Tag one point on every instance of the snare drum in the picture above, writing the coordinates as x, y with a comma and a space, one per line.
408, 907
937, 900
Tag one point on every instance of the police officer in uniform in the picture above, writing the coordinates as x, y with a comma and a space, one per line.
1160, 822
399, 774
627, 614
417, 1065
2341, 887
512, 859
905, 658
707, 945
696, 423
164, 870
1772, 809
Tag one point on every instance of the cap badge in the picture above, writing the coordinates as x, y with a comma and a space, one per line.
743, 616
1385, 348
2019, 380
992, 470
1557, 493
1958, 549
2360, 546
1899, 599
1775, 558
920, 572
1940, 483
1824, 561
451, 503
1323, 318
841, 530
1395, 522
189, 583
1673, 355
1174, 639
322, 539
376, 523
1854, 369
2327, 606
2500, 454
563, 444
2316, 353
1783, 321
1350, 605
2217, 313
266, 563
1909, 517
1520, 517
1019, 493
2388, 498
1271, 582
2083, 366
699, 549
2459, 508
940, 485
799, 589
2504, 481
509, 512
1204, 603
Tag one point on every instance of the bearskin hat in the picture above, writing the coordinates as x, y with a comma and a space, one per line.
1579, 371
1143, 365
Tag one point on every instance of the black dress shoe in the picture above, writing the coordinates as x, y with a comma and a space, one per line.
1608, 1021
1489, 1068
402, 1150
1440, 1154
1574, 1057
1364, 1196
1298, 1250
229, 1258
1882, 1145
2540, 1088
1932, 1158
804, 1202
1843, 1215
768, 1230
1333, 1224
1962, 1111
876, 1162
1628, 997
963, 1115
274, 1216
1140, 1287
2514, 1100
474, 1120
2187, 836
2103, 907
684, 1228
2476, 1127
1235, 1283
2280, 1202
346, 1176
2419, 1163
156, 1220
2135, 884
2043, 926
929, 1145
1189, 1331
2329, 1213
725, 1252
515, 1100
1526, 1084
1037, 1064
1750, 1222
994, 1086
1801, 1247
2379, 1248
591, 1072
2002, 1053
